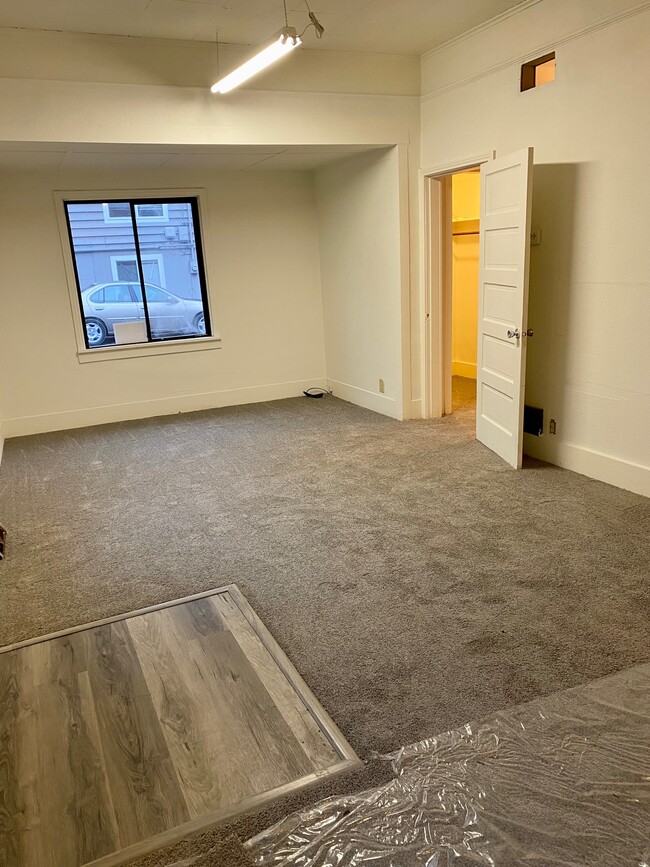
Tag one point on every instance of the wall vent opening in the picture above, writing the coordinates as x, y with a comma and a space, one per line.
538, 72
533, 420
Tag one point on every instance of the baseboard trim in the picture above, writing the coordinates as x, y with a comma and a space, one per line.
463, 368
606, 468
367, 399
34, 424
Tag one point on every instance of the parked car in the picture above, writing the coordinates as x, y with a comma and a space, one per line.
108, 303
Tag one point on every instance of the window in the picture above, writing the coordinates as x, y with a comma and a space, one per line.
116, 293
117, 211
149, 211
154, 294
138, 282
126, 268
538, 72
121, 212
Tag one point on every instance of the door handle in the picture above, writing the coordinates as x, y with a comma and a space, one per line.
514, 333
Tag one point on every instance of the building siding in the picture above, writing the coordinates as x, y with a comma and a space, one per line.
167, 248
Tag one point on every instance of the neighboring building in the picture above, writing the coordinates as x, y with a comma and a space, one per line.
105, 247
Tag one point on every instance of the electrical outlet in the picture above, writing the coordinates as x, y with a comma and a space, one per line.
536, 237
381, 386
552, 426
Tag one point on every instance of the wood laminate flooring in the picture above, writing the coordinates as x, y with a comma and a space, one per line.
128, 734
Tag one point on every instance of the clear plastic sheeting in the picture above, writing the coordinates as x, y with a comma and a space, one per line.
563, 780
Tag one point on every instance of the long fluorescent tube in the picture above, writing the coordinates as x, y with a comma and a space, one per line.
286, 42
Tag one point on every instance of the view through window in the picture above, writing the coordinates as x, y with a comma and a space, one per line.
139, 270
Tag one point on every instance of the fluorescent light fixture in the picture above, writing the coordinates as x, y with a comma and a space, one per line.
286, 42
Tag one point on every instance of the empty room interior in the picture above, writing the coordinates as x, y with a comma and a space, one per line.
324, 433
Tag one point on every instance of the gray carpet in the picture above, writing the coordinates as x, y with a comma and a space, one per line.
413, 578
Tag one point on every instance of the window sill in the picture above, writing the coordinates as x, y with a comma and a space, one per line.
167, 347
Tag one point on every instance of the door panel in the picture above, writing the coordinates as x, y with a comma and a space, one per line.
499, 303
506, 185
498, 358
497, 406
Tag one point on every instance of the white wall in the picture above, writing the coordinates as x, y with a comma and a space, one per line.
2, 437
47, 54
464, 305
588, 362
3, 372
104, 89
54, 110
465, 205
362, 278
263, 263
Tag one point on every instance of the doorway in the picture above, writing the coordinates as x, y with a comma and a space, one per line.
503, 230
453, 202
462, 307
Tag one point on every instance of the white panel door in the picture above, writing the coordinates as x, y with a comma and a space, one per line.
506, 200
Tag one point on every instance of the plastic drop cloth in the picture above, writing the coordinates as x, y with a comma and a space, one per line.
563, 780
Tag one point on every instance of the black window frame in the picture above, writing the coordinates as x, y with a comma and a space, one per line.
193, 202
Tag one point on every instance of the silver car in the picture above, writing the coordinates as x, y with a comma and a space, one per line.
169, 315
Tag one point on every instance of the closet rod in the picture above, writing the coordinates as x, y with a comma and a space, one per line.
457, 234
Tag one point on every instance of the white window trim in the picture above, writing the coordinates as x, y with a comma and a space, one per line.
165, 347
135, 350
146, 257
122, 221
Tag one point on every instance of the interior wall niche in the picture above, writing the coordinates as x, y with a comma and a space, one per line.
537, 72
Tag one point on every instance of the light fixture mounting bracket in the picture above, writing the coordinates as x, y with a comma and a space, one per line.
289, 34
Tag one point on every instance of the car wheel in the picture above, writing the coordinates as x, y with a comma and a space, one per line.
199, 322
95, 332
